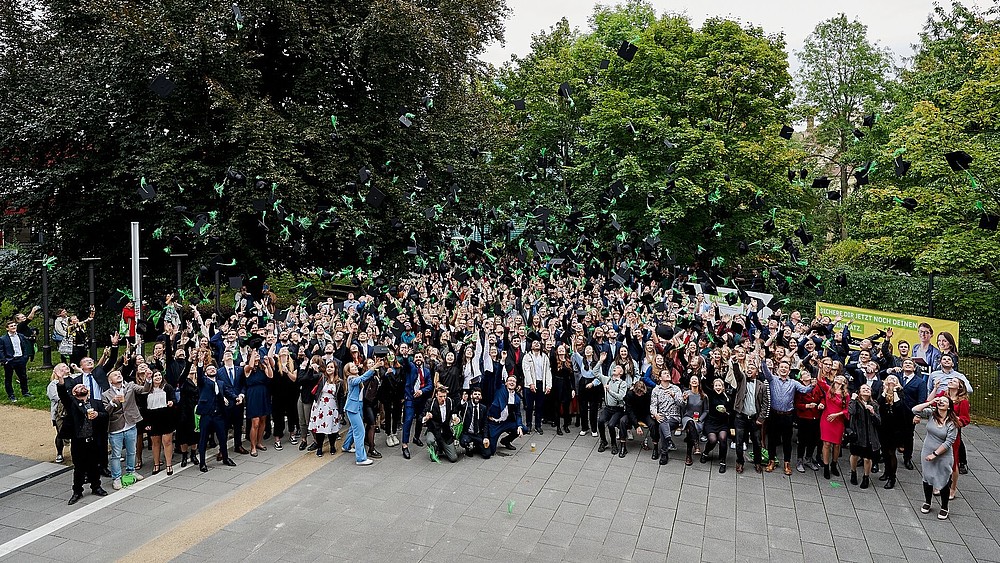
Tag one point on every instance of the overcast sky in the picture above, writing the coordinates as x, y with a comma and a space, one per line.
892, 23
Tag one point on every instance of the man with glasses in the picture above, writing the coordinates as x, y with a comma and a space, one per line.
924, 353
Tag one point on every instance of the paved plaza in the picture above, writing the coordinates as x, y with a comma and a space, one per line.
563, 502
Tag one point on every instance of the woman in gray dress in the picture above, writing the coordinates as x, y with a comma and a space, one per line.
937, 455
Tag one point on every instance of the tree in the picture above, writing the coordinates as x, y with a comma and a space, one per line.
284, 107
842, 76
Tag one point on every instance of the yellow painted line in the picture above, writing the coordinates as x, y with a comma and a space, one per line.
225, 511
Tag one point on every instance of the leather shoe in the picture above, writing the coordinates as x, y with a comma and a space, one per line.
664, 459
99, 491
203, 468
770, 466
418, 443
656, 452
74, 499
622, 450
375, 454
908, 464
218, 457
604, 447
242, 450
509, 446
788, 468
406, 453
229, 462
539, 430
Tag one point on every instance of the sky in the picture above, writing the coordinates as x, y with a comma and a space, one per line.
891, 23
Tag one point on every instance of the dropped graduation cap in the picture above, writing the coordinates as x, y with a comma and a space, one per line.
162, 86
627, 51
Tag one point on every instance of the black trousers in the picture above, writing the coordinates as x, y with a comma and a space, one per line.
284, 405
9, 369
610, 417
629, 421
590, 403
234, 419
779, 431
808, 441
474, 442
212, 423
393, 415
86, 454
747, 431
908, 441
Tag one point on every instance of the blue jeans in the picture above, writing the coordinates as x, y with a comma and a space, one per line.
124, 438
358, 433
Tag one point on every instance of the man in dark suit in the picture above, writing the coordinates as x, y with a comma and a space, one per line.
232, 375
95, 379
441, 414
474, 420
84, 415
214, 395
15, 350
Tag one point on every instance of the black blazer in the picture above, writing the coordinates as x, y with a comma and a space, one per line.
474, 420
75, 425
441, 428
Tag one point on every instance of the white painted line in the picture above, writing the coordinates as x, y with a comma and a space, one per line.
78, 514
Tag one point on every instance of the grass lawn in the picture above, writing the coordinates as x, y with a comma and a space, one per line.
38, 380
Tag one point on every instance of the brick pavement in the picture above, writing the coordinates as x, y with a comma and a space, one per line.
570, 503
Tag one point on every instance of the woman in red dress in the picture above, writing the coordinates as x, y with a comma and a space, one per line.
831, 424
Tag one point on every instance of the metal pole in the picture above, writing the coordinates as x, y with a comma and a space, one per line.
179, 273
47, 346
93, 329
136, 277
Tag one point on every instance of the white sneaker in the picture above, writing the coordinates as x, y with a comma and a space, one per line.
117, 484
60, 458
351, 450
677, 432
583, 432
137, 476
388, 440
365, 462
594, 434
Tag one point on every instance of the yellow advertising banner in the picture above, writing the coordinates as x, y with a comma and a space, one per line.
868, 322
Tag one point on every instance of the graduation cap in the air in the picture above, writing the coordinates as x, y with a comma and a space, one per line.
861, 175
732, 298
147, 190
430, 213
605, 63
375, 197
821, 183
783, 286
519, 105
803, 235
162, 86
868, 120
901, 166
743, 248
235, 282
833, 195
909, 203
543, 247
811, 281
769, 225
786, 132
989, 222
858, 133
842, 280
791, 175
627, 51
958, 160
565, 90
615, 224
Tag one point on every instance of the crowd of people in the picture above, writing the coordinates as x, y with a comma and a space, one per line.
465, 364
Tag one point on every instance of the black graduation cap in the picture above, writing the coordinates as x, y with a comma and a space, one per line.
617, 188
811, 281
235, 175
615, 224
117, 300
364, 174
519, 105
783, 286
791, 175
958, 160
162, 86
405, 121
786, 132
732, 297
868, 120
821, 183
430, 213
565, 90
804, 236
627, 51
650, 199
461, 276
833, 195
769, 225
757, 203
989, 222
619, 280
861, 175
858, 133
375, 197
605, 63
651, 242
255, 341
909, 203
901, 166
743, 247
147, 191
842, 280
543, 247
556, 262
235, 282
145, 329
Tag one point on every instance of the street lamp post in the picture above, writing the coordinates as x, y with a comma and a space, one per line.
47, 344
93, 329
179, 270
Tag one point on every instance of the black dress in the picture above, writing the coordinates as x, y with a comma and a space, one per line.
162, 420
720, 409
185, 424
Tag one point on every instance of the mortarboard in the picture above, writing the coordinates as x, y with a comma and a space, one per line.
803, 174
147, 190
858, 133
833, 195
958, 160
627, 51
909, 203
375, 197
786, 132
901, 166
769, 225
803, 235
989, 222
791, 175
619, 280
743, 247
842, 280
519, 105
430, 213
861, 175
162, 86
235, 282
615, 224
565, 90
821, 183
811, 281
868, 120
605, 63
